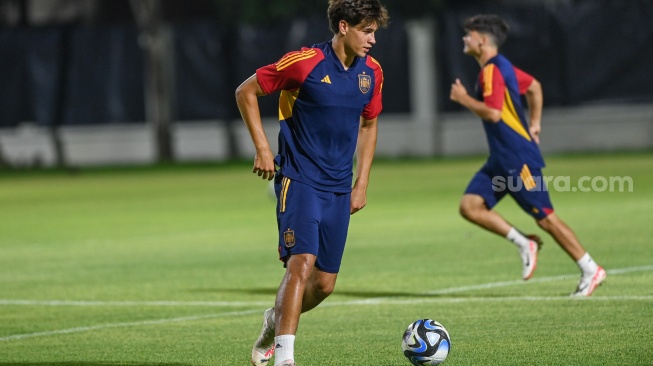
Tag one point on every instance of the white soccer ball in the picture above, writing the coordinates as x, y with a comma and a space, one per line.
426, 343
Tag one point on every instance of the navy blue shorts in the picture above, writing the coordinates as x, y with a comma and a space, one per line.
311, 221
526, 186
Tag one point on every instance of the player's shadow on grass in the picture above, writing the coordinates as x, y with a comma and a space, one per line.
358, 294
250, 291
375, 294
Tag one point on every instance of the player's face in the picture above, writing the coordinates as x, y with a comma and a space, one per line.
360, 39
473, 41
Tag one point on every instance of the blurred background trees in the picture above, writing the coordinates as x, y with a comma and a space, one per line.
169, 62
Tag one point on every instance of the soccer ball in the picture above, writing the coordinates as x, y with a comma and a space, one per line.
426, 343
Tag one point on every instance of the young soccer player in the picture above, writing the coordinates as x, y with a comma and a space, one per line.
515, 162
328, 108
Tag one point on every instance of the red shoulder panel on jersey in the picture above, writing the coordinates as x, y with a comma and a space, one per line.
290, 71
374, 107
523, 79
493, 86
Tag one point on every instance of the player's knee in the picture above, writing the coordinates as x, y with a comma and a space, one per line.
324, 289
545, 224
323, 285
301, 266
467, 211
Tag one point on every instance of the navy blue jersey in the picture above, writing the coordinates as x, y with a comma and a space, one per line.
320, 107
500, 86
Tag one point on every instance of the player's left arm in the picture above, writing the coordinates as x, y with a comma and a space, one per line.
366, 143
535, 100
365, 147
532, 90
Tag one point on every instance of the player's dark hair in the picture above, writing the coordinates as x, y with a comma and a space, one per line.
357, 12
490, 24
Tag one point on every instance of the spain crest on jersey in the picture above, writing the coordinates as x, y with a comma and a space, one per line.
364, 83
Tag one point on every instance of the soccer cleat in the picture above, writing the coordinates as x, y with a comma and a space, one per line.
288, 363
588, 284
529, 256
264, 346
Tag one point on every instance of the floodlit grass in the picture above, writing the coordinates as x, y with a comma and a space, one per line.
175, 265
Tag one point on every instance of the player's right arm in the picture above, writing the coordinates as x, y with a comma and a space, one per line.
480, 108
247, 99
286, 74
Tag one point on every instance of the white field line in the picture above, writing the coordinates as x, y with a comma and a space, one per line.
134, 303
450, 290
127, 324
395, 301
376, 301
372, 301
533, 280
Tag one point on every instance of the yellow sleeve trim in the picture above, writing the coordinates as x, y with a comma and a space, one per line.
378, 64
488, 74
291, 58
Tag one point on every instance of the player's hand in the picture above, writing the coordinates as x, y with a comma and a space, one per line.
358, 201
355, 207
458, 91
264, 165
535, 133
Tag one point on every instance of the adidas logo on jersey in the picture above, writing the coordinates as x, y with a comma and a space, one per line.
326, 79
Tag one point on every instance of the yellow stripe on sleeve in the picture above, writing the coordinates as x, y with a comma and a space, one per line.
488, 72
294, 57
378, 64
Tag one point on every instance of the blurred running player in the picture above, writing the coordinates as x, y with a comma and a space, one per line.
515, 163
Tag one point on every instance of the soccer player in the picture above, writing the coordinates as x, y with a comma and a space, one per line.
515, 163
330, 99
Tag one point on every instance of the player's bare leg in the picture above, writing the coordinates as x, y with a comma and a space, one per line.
473, 208
319, 286
288, 305
592, 275
563, 235
280, 323
303, 288
300, 277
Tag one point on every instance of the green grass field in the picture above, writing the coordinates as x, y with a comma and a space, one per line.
175, 265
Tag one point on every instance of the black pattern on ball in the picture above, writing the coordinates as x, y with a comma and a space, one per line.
426, 343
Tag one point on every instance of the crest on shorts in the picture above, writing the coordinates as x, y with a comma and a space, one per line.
364, 83
289, 238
